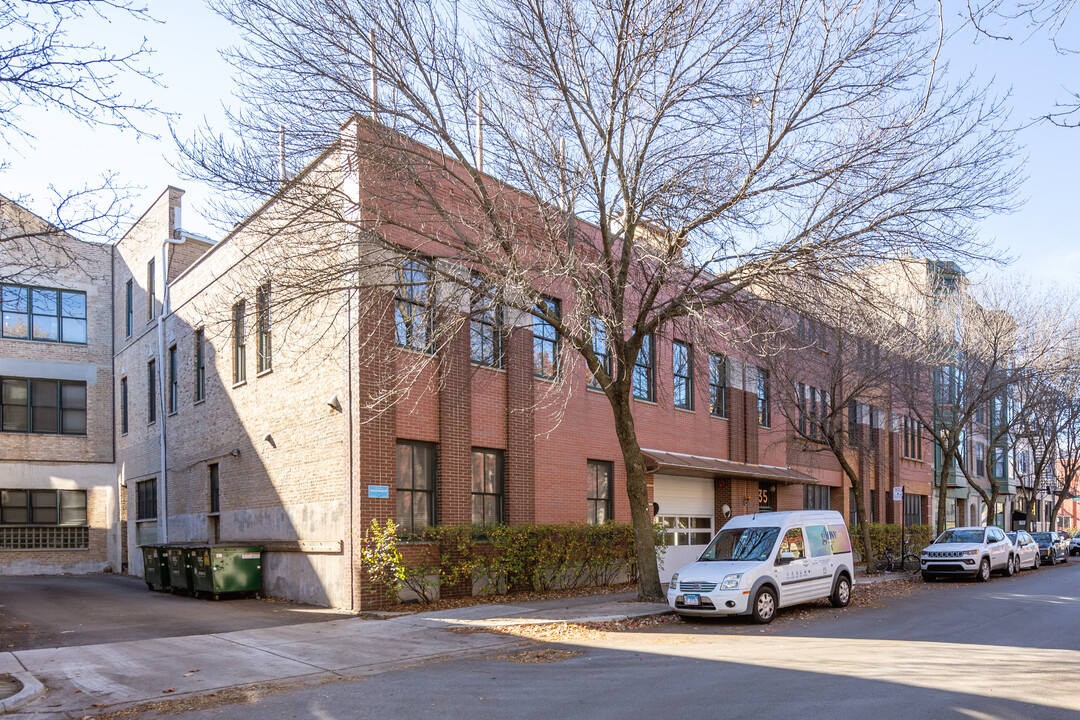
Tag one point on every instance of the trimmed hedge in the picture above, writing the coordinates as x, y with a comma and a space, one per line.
884, 535
499, 558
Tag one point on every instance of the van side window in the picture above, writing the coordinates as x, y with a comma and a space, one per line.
793, 543
820, 538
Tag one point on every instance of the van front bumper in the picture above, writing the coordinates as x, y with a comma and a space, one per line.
718, 602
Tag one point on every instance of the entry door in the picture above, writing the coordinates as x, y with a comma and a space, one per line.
685, 508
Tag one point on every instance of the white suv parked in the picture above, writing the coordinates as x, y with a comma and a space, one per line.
974, 551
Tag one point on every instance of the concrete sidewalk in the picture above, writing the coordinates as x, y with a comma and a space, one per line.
90, 679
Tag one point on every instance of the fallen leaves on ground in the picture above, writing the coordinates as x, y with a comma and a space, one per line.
543, 655
518, 597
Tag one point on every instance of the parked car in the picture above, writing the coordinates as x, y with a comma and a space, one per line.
1074, 545
1051, 547
1025, 549
974, 551
759, 563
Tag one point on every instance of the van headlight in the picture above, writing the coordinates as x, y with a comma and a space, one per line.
731, 582
673, 583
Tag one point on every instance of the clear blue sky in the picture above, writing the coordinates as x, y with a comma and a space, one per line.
1042, 235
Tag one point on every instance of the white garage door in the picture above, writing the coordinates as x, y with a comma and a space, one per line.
685, 507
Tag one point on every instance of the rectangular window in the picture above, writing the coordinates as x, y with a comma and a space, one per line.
151, 391
598, 492
146, 499
151, 293
215, 488
873, 426
44, 314
413, 322
764, 416
487, 486
129, 308
239, 343
913, 509
123, 406
645, 371
415, 485
718, 385
43, 507
912, 438
200, 365
600, 348
853, 509
873, 506
999, 463
485, 327
42, 406
262, 317
980, 459
546, 346
173, 380
682, 363
816, 497
853, 423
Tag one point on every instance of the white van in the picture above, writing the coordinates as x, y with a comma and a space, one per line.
758, 563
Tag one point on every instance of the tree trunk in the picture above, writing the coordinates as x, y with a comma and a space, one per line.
943, 474
649, 587
860, 508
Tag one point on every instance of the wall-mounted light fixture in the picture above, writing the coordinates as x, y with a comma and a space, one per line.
333, 402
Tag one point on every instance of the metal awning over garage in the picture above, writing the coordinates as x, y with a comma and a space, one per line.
700, 466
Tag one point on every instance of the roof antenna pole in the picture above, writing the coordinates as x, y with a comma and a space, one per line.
374, 81
479, 132
281, 154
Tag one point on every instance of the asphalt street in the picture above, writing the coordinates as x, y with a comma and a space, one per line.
1009, 648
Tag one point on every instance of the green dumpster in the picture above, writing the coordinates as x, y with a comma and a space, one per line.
224, 568
156, 566
179, 568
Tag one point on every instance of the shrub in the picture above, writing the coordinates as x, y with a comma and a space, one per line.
500, 558
884, 535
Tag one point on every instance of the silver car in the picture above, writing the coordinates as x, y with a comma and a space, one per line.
1025, 549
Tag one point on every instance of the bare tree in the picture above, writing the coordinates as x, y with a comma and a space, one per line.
46, 62
984, 340
839, 357
647, 163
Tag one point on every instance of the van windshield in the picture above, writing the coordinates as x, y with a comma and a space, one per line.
753, 543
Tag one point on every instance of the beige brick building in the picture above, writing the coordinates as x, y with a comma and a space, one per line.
58, 492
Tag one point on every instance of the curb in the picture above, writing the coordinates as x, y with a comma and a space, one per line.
581, 620
864, 580
31, 690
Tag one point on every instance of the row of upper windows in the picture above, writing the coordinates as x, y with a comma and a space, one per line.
416, 487
199, 350
129, 300
414, 327
43, 314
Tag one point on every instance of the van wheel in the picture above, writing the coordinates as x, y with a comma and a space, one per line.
841, 596
764, 608
984, 571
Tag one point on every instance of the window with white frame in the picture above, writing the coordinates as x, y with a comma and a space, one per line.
912, 438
